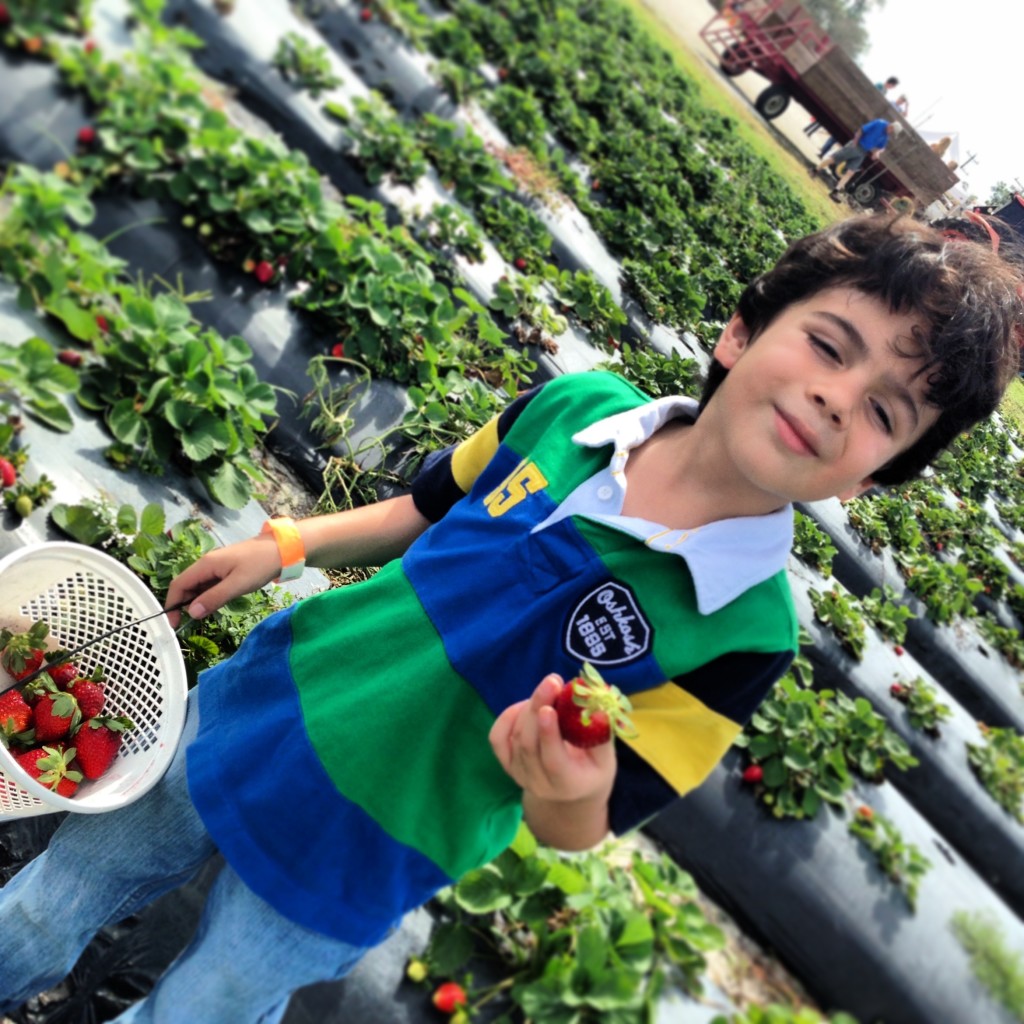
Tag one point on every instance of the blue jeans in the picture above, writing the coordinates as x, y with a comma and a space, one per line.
245, 959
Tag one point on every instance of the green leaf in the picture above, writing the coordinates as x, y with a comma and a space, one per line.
482, 891
52, 412
83, 524
153, 520
126, 424
227, 485
451, 946
204, 436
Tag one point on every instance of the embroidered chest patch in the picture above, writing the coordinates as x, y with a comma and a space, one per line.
607, 627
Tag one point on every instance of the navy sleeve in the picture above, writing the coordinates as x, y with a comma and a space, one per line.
437, 487
732, 687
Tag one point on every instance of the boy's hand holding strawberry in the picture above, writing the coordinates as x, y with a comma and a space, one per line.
565, 787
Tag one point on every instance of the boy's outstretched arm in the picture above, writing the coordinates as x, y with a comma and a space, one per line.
368, 535
565, 788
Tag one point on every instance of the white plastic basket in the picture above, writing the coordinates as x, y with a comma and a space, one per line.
80, 593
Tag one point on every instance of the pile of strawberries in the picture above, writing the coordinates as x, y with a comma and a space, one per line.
54, 724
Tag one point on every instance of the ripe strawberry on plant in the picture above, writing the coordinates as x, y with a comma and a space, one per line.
520, 263
449, 997
590, 711
5, 15
69, 357
264, 272
22, 653
55, 714
49, 766
15, 715
97, 743
8, 474
753, 774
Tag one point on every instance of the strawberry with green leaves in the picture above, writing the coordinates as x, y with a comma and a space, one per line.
15, 715
97, 743
22, 653
590, 711
51, 767
55, 714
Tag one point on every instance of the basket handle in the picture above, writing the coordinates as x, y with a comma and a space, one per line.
67, 655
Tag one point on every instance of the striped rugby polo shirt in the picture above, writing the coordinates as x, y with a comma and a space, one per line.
343, 763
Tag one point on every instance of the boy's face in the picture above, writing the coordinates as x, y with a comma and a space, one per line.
822, 398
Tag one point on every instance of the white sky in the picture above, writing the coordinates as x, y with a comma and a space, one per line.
960, 68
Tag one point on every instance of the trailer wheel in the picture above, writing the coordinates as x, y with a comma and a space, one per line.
866, 193
904, 204
732, 60
772, 102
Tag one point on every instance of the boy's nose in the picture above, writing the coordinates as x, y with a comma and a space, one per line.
833, 403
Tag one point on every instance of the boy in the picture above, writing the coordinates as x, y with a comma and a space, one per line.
371, 743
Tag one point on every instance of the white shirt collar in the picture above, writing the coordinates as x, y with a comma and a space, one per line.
725, 557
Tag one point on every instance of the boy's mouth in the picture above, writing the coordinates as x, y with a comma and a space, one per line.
795, 436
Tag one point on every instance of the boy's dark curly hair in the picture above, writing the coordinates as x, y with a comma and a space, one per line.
969, 298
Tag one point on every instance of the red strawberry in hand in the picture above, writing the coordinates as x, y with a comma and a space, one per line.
97, 743
590, 711
49, 766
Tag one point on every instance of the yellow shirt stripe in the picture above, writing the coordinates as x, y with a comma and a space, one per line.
470, 457
678, 736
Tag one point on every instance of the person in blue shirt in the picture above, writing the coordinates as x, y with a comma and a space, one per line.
871, 138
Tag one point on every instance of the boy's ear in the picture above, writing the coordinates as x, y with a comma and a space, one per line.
732, 342
857, 489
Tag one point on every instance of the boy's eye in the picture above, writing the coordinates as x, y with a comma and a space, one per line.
883, 417
825, 347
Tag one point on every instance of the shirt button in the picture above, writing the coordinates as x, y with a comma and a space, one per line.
604, 492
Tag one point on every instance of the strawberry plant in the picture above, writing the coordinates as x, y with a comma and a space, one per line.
812, 545
520, 116
463, 161
304, 65
582, 296
1005, 639
29, 24
775, 1013
384, 145
841, 610
887, 614
586, 939
517, 233
656, 374
924, 709
947, 589
999, 764
901, 862
998, 967
452, 232
807, 743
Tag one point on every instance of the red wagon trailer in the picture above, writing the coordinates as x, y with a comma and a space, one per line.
783, 43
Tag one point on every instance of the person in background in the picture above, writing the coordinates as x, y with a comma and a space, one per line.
883, 87
867, 144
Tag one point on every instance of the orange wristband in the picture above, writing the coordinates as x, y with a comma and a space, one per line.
289, 545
